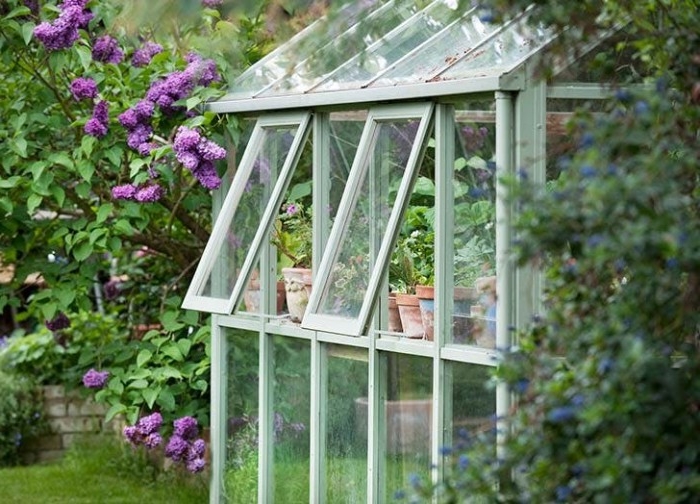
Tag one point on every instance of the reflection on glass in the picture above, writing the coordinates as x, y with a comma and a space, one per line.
475, 231
346, 40
291, 410
345, 462
268, 163
473, 404
407, 412
241, 469
382, 174
394, 46
253, 295
455, 40
503, 51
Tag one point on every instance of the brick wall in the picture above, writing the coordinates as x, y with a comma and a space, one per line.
70, 418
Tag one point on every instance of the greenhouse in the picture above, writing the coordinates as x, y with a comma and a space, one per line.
368, 191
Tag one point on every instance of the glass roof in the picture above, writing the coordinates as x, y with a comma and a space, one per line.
389, 45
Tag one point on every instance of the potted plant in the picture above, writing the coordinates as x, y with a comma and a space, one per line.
292, 236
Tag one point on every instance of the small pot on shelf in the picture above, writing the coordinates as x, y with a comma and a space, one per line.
409, 311
297, 283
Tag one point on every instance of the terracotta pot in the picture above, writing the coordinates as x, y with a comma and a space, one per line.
297, 283
409, 311
394, 316
251, 296
426, 302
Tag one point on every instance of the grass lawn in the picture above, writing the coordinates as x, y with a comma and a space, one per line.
95, 473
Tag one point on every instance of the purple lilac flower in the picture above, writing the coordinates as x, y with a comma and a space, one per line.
83, 87
131, 433
33, 6
143, 55
63, 32
196, 449
176, 449
112, 287
196, 153
186, 139
292, 209
144, 110
125, 191
149, 193
211, 3
95, 379
140, 134
97, 124
210, 150
153, 440
95, 128
101, 112
206, 174
60, 321
196, 465
185, 427
149, 424
129, 119
146, 148
106, 49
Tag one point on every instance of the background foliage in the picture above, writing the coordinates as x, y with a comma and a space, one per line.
607, 378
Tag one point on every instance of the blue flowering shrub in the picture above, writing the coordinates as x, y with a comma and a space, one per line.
21, 416
607, 378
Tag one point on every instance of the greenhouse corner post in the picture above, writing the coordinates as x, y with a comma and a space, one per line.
505, 148
219, 379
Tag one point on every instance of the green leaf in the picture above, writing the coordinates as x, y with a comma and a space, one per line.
150, 396
58, 194
86, 169
64, 296
138, 384
82, 251
173, 352
143, 357
87, 143
171, 372
185, 345
103, 212
28, 32
6, 205
10, 182
61, 158
114, 155
85, 56
170, 322
124, 226
115, 410
200, 385
33, 202
167, 400
19, 145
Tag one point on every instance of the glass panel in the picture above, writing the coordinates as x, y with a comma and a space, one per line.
391, 48
473, 404
326, 58
412, 267
407, 411
474, 226
450, 44
500, 53
345, 463
241, 470
346, 130
268, 161
291, 407
282, 61
382, 173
